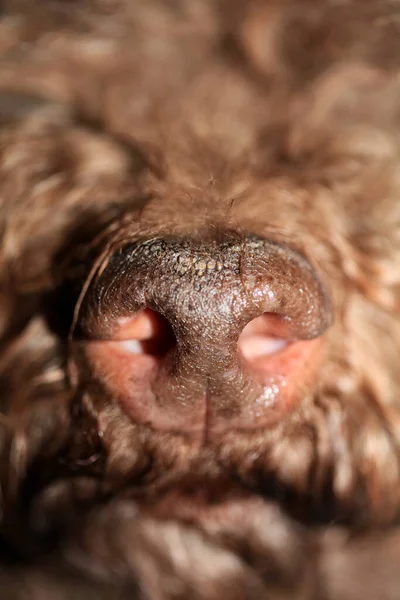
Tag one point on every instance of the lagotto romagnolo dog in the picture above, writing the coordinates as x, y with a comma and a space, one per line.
199, 299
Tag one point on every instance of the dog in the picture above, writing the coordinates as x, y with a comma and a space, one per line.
200, 299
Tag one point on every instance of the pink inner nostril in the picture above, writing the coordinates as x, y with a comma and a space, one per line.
262, 337
148, 332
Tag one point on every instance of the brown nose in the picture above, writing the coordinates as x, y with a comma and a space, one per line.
204, 334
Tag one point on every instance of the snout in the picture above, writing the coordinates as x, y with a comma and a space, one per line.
207, 334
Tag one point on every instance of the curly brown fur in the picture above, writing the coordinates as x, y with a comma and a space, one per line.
120, 119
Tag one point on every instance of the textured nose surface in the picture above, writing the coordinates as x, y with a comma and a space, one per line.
211, 294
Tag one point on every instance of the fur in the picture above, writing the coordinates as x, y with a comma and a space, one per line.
120, 118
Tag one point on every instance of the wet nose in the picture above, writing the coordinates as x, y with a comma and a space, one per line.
205, 334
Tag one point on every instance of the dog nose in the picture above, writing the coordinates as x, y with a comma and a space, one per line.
205, 334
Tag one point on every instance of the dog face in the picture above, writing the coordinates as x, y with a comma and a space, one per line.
199, 285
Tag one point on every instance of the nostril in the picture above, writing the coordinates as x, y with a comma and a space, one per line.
262, 337
147, 332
